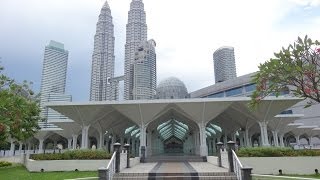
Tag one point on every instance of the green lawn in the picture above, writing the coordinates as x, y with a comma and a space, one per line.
19, 172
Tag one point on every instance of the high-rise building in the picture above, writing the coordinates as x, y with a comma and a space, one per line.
144, 71
224, 64
103, 57
54, 74
136, 34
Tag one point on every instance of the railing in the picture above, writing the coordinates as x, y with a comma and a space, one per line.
111, 168
237, 166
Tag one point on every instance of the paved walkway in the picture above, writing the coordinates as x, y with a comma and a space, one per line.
174, 167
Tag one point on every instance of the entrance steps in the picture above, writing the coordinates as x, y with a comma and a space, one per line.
176, 176
175, 171
168, 158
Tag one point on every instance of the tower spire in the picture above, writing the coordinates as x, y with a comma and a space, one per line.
103, 57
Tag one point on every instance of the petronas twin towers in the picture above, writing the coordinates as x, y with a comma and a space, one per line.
140, 59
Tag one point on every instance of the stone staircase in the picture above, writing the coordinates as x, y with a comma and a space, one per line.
175, 171
176, 176
168, 158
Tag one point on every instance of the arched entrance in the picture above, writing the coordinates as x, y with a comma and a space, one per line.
173, 134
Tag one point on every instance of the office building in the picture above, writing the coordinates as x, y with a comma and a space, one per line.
224, 64
136, 34
144, 71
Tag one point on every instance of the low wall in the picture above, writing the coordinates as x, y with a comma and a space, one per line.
288, 165
212, 160
13, 159
65, 165
134, 161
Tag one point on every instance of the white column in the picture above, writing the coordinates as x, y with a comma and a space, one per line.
275, 138
40, 146
142, 137
69, 143
281, 140
113, 140
246, 138
149, 144
264, 133
12, 147
101, 140
298, 140
20, 147
74, 141
203, 144
54, 144
241, 138
85, 136
310, 141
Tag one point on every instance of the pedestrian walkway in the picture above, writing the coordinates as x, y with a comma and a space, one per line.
175, 170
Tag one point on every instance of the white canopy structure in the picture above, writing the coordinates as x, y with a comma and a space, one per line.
172, 123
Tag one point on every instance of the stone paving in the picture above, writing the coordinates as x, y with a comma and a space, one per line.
206, 167
174, 167
140, 168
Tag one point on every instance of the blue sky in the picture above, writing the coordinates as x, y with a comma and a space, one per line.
187, 33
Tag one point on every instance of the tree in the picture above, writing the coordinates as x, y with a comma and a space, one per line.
296, 67
19, 109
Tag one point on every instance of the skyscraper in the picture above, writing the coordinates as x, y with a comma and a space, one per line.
136, 34
224, 64
144, 71
53, 80
103, 57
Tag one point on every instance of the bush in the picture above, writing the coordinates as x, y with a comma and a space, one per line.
73, 154
275, 152
5, 164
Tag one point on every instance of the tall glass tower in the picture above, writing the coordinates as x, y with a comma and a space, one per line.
53, 81
136, 34
103, 57
224, 64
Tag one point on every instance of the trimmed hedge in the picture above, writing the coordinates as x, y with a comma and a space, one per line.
5, 164
74, 154
275, 152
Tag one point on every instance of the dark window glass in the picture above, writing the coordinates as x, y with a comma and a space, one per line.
287, 112
216, 95
250, 87
233, 92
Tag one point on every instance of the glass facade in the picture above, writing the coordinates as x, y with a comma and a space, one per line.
233, 92
250, 87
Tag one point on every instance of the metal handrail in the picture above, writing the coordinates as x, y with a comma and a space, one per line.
111, 168
237, 165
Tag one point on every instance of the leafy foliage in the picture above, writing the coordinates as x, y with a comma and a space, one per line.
296, 67
19, 110
5, 164
73, 154
275, 152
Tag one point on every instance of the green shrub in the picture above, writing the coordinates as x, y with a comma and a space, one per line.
275, 152
73, 154
5, 164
